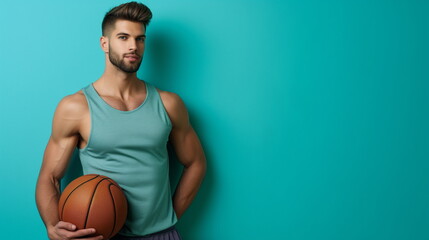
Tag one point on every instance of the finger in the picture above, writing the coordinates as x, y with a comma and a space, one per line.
84, 232
76, 234
66, 225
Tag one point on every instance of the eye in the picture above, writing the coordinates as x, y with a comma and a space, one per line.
141, 39
122, 37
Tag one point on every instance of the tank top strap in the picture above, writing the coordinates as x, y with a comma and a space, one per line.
95, 102
155, 100
151, 91
88, 93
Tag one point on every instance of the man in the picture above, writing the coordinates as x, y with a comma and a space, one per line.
121, 126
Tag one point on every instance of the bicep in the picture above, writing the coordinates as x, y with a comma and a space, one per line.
62, 142
183, 137
187, 145
56, 157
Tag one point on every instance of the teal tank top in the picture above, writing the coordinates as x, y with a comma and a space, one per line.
131, 148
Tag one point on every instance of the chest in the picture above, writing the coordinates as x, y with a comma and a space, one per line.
137, 130
129, 105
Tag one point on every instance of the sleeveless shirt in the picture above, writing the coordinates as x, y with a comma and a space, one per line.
131, 148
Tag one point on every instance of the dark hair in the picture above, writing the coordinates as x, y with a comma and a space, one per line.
132, 11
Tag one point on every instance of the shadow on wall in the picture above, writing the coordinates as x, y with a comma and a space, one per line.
175, 57
194, 216
171, 55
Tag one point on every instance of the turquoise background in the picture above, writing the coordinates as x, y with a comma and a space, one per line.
313, 114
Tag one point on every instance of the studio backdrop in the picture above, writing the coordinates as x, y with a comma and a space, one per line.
313, 114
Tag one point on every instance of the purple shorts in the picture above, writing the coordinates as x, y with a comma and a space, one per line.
170, 233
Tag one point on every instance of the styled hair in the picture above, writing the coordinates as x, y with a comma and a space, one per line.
131, 11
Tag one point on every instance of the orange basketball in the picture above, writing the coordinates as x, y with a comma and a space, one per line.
94, 201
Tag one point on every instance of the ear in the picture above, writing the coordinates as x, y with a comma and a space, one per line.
104, 43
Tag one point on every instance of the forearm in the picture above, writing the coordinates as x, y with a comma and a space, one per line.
188, 186
47, 196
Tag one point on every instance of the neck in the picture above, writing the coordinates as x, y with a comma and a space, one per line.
114, 82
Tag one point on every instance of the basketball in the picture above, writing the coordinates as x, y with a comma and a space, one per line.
94, 201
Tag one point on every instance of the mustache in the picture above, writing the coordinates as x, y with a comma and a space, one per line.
132, 54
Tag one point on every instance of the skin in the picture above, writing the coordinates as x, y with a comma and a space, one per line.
123, 91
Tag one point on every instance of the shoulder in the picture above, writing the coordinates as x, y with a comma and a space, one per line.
68, 116
174, 106
170, 99
72, 105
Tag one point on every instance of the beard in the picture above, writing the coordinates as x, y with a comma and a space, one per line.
119, 62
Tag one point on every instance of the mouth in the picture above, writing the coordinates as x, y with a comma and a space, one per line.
132, 57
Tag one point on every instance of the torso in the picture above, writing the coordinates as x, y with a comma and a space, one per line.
85, 123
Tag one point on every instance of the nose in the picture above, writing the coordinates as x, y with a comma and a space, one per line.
132, 44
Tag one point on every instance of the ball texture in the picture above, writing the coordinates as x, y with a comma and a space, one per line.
94, 201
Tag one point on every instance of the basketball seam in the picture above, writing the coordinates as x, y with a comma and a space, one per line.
114, 210
92, 199
67, 198
113, 182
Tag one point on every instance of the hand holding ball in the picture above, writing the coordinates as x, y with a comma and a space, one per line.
94, 201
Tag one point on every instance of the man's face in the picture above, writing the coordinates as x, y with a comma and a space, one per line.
126, 45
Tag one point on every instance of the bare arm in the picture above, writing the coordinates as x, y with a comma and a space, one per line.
63, 140
189, 152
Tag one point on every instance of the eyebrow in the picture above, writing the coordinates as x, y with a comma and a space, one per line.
126, 34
